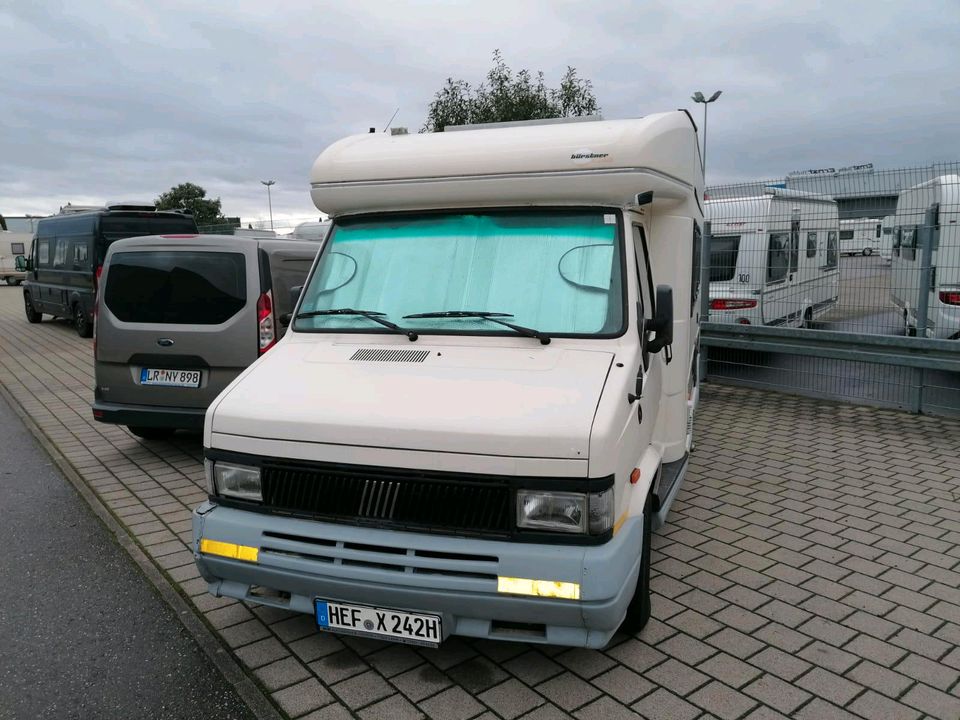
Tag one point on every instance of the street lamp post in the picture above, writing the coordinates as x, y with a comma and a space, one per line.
268, 183
698, 97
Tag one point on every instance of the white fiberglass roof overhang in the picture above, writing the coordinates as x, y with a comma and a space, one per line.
606, 162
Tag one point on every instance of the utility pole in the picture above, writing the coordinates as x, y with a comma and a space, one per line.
698, 97
268, 183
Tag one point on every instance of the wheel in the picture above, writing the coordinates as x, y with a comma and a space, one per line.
638, 611
151, 433
81, 322
867, 251
12, 281
32, 315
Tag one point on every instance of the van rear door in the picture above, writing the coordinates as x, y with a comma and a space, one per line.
175, 307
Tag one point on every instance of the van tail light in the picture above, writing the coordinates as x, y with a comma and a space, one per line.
265, 322
96, 277
950, 297
727, 304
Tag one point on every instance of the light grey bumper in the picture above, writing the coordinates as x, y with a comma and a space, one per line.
455, 578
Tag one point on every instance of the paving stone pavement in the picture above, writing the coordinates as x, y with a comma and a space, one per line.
810, 569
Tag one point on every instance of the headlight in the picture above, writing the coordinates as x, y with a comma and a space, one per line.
238, 481
565, 511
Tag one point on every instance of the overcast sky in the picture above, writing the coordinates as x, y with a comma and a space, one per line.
114, 100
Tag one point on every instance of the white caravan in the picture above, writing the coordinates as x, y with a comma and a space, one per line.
773, 258
929, 210
484, 403
861, 236
13, 245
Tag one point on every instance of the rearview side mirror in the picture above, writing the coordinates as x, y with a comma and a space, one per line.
662, 322
21, 264
295, 295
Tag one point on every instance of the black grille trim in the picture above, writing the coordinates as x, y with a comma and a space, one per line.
396, 498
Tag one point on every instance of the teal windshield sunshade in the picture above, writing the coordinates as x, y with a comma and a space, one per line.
556, 271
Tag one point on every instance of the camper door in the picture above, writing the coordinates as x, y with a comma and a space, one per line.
781, 301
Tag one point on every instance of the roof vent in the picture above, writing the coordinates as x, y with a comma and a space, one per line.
384, 355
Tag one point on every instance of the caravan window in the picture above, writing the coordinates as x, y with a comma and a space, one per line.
17, 248
879, 229
723, 257
908, 244
778, 257
846, 234
833, 250
811, 244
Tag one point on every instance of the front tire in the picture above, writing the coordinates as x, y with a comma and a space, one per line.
638, 611
12, 281
151, 433
81, 322
33, 316
867, 251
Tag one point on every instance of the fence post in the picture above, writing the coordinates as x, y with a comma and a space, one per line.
704, 296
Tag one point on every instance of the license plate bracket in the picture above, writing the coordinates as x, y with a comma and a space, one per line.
424, 629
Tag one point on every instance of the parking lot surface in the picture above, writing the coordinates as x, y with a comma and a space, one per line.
810, 569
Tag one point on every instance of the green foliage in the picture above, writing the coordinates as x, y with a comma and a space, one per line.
506, 96
193, 197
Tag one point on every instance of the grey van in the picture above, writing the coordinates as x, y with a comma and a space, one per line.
179, 318
68, 252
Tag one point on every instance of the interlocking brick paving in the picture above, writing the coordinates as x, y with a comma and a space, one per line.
810, 569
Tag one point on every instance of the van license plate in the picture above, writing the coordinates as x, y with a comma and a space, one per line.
396, 625
170, 378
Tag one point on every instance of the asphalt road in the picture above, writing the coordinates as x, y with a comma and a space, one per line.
82, 633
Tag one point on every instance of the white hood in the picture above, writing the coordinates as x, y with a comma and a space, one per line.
503, 401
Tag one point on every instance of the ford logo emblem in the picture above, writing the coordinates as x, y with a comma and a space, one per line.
165, 342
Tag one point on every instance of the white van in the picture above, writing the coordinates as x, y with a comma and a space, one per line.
484, 403
931, 208
861, 236
773, 258
13, 245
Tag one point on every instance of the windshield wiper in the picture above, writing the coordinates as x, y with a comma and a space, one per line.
493, 317
377, 317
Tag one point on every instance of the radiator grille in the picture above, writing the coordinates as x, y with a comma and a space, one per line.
391, 497
388, 355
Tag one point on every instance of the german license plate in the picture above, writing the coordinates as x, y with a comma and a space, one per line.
170, 378
396, 625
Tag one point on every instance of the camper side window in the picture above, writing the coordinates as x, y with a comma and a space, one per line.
908, 244
778, 258
833, 250
17, 248
811, 244
80, 254
43, 253
60, 256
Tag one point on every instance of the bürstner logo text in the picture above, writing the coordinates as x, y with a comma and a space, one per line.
588, 155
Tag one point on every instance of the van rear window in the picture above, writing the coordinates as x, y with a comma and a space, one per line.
176, 288
723, 257
117, 228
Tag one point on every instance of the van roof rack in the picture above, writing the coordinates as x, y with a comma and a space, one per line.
139, 206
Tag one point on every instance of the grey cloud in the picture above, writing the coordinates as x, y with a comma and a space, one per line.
118, 101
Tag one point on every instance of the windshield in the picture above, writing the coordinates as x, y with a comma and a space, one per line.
556, 271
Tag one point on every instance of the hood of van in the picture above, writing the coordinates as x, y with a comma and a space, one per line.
504, 401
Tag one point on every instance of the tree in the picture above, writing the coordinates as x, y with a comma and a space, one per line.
194, 198
506, 95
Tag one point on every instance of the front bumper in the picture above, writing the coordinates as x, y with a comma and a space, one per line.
149, 416
453, 577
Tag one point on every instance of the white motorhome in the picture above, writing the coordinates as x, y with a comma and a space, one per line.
13, 245
311, 230
928, 213
484, 403
861, 236
773, 258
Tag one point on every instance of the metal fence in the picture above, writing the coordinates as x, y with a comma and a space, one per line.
840, 284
